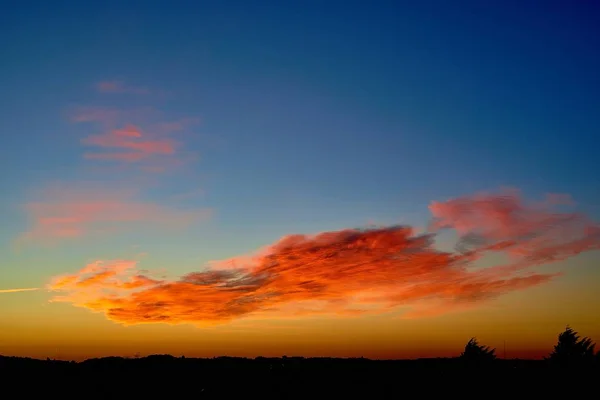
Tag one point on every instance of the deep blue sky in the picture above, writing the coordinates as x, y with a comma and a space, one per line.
315, 114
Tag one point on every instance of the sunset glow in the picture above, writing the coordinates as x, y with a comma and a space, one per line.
226, 180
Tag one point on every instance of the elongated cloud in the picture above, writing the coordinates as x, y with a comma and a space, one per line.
66, 213
18, 290
348, 272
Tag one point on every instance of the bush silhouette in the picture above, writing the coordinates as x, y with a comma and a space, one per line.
571, 350
476, 353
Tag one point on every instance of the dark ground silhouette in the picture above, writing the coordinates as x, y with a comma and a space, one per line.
476, 373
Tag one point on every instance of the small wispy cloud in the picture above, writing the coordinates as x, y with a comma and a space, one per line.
132, 145
117, 86
143, 138
18, 290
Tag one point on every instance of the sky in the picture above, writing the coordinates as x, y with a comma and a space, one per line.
383, 179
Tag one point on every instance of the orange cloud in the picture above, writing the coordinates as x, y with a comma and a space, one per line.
345, 272
119, 87
67, 213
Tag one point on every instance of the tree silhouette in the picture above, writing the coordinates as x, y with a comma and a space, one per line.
571, 350
476, 353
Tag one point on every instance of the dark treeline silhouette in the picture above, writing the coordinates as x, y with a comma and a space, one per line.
565, 368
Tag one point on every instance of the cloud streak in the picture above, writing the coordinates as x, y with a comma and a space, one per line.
115, 86
350, 272
18, 290
67, 213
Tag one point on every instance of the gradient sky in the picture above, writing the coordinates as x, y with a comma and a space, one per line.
148, 148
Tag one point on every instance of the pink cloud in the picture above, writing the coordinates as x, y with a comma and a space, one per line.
351, 271
139, 136
131, 139
66, 214
530, 233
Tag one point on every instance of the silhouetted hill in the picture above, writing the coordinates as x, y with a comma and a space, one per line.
288, 377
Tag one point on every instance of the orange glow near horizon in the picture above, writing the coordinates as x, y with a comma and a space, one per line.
81, 335
379, 293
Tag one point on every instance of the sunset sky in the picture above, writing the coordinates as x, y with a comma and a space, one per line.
383, 179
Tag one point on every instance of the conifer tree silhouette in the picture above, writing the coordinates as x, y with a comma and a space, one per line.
572, 350
476, 353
